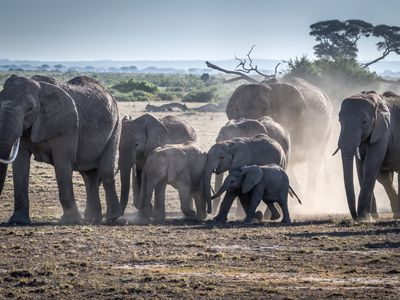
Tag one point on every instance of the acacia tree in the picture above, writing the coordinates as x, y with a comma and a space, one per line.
339, 39
390, 42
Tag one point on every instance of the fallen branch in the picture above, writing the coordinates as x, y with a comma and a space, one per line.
242, 76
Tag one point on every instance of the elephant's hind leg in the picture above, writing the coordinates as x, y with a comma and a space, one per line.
93, 205
386, 179
106, 168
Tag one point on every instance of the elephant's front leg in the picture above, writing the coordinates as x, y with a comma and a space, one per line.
63, 170
360, 173
366, 191
159, 202
225, 207
186, 198
255, 199
136, 185
21, 167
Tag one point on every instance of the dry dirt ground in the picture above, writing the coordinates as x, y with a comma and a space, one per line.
323, 255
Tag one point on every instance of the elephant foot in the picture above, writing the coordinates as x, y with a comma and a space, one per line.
71, 217
113, 213
19, 218
92, 217
286, 221
159, 216
275, 215
259, 216
191, 215
201, 216
396, 215
220, 219
365, 218
141, 219
375, 216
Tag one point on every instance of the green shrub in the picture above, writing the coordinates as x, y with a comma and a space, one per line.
135, 85
201, 95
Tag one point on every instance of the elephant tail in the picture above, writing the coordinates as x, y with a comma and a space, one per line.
293, 194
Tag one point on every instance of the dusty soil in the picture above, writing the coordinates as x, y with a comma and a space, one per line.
322, 255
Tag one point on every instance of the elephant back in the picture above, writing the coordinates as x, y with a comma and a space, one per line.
249, 101
178, 131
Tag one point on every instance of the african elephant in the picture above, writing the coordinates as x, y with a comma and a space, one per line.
301, 108
233, 154
139, 137
180, 165
72, 126
269, 183
250, 128
370, 129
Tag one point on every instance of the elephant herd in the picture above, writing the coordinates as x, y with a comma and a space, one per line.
76, 126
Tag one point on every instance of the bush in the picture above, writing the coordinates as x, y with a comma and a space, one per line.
202, 95
135, 85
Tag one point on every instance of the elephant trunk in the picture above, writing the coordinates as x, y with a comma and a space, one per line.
125, 174
220, 191
208, 170
347, 162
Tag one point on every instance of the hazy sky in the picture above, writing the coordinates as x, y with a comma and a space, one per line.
175, 29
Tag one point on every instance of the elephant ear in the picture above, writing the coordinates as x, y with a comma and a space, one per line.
382, 122
252, 176
57, 114
240, 155
155, 132
176, 160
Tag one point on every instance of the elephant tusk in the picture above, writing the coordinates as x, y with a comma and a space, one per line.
14, 153
358, 153
336, 151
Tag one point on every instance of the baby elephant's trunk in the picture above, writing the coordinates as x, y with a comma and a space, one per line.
293, 194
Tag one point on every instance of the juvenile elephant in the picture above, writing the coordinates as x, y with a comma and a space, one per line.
236, 153
370, 129
252, 184
139, 137
72, 126
250, 128
181, 166
303, 109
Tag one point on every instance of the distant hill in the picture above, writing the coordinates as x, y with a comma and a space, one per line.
387, 68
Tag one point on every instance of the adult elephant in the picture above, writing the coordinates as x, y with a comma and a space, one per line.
370, 129
301, 108
139, 137
233, 154
250, 128
72, 126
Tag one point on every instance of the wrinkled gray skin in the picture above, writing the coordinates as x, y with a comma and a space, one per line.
269, 183
180, 165
233, 154
302, 109
372, 124
139, 137
250, 128
72, 126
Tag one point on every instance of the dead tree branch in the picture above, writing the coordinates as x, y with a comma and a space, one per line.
242, 76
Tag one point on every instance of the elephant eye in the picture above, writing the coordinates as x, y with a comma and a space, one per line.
364, 122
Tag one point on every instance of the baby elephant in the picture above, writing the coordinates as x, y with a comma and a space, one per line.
180, 165
252, 184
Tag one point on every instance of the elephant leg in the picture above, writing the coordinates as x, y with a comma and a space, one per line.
226, 204
283, 203
145, 207
360, 171
159, 202
63, 170
219, 178
21, 186
275, 215
201, 213
93, 205
386, 179
186, 198
254, 200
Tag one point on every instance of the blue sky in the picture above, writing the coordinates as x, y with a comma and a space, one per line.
175, 29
